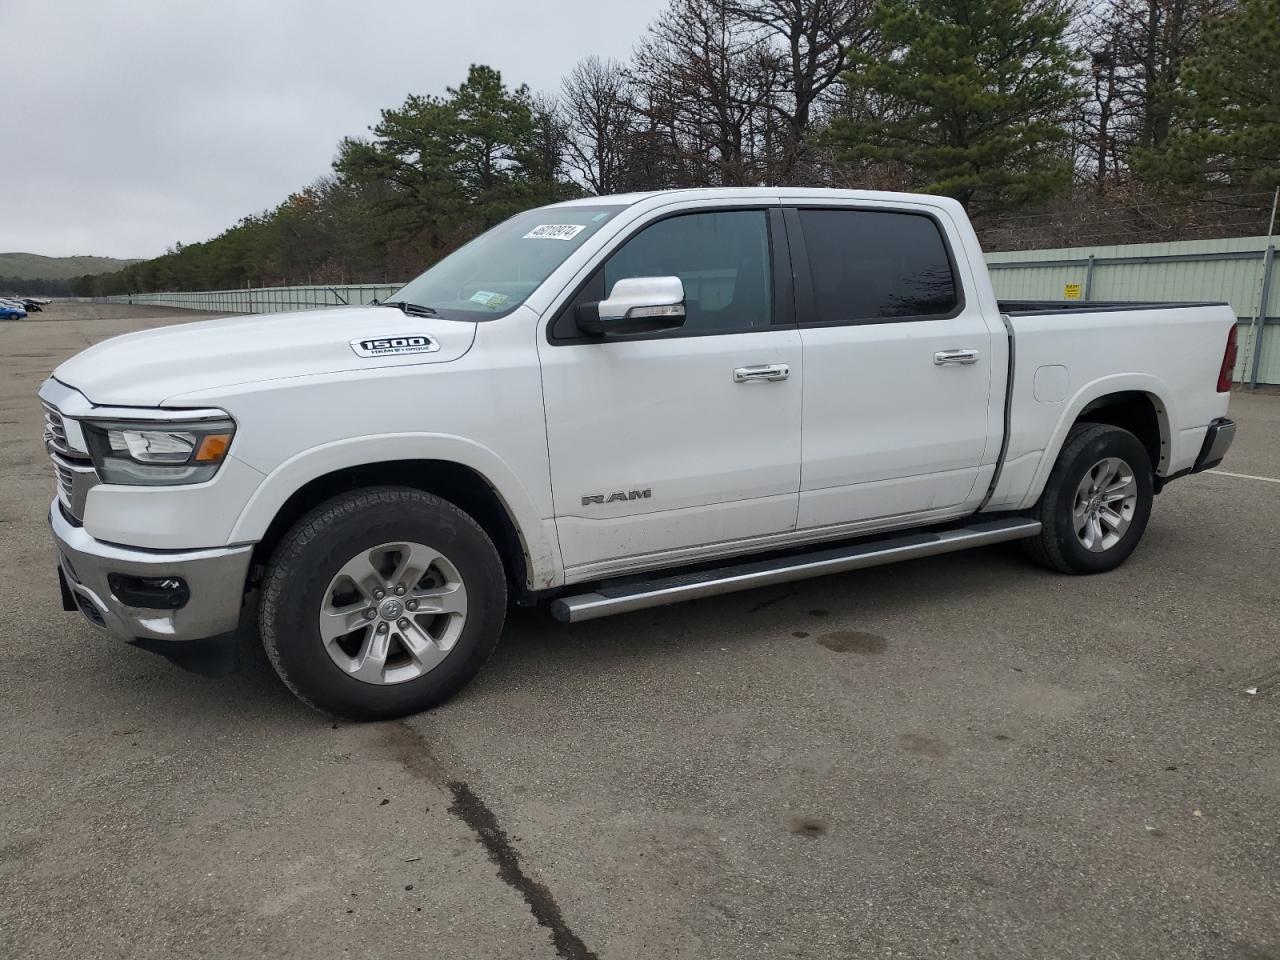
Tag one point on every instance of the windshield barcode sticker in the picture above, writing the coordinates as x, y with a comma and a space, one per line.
555, 231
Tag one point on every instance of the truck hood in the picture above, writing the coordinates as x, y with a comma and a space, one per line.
149, 367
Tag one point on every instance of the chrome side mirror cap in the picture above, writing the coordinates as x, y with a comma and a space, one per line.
636, 305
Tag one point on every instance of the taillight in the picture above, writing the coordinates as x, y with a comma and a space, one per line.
1228, 363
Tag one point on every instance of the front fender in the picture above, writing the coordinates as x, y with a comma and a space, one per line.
545, 569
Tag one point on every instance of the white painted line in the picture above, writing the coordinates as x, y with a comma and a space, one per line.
1244, 476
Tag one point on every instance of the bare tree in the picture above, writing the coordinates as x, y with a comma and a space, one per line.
599, 118
1104, 128
809, 41
550, 143
700, 78
1136, 50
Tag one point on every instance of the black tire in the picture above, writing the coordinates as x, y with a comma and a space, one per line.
306, 560
1057, 546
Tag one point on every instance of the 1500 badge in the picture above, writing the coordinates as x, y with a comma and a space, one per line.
394, 346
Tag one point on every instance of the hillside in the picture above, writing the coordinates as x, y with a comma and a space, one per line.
32, 266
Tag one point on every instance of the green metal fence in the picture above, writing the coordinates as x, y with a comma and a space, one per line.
1238, 271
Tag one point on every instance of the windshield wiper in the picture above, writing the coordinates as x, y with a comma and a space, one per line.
410, 309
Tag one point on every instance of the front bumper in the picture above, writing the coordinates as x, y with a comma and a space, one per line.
214, 577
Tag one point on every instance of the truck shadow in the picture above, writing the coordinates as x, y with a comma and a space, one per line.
827, 610
832, 612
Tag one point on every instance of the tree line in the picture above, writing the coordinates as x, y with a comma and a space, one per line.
36, 287
1116, 108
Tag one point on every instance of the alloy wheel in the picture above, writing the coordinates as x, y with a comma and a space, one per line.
1104, 505
393, 613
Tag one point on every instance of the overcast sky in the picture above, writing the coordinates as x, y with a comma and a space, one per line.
128, 125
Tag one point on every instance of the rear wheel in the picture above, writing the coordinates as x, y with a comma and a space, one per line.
1097, 501
381, 603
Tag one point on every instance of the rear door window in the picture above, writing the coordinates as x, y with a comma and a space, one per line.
869, 266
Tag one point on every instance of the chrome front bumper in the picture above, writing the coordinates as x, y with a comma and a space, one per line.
214, 577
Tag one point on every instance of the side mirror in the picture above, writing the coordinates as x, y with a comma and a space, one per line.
636, 305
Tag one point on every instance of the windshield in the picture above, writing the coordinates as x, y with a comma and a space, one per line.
496, 272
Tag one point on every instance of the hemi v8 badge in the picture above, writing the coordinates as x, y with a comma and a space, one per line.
394, 346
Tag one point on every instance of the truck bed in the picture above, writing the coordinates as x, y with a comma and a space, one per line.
1168, 355
1022, 308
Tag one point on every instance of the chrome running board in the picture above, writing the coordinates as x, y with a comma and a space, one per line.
623, 596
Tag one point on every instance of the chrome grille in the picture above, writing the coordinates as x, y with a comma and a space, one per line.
66, 480
72, 470
75, 479
55, 431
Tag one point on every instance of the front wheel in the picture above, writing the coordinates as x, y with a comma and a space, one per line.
381, 603
1097, 501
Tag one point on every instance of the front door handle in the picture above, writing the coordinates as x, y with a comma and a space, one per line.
955, 356
764, 371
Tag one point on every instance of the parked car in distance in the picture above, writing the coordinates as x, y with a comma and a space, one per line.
30, 304
606, 405
12, 310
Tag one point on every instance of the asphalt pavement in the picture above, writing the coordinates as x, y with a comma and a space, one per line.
964, 756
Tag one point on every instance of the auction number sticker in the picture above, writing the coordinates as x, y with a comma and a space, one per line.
555, 231
394, 346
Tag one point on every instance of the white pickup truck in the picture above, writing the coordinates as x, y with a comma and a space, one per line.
610, 404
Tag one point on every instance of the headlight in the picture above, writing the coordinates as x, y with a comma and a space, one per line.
157, 454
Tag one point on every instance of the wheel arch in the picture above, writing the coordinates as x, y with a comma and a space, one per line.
1141, 413
1136, 403
502, 509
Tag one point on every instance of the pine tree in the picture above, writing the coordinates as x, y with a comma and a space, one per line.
965, 98
1227, 127
467, 159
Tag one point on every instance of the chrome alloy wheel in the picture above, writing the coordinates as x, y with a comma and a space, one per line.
1105, 502
393, 613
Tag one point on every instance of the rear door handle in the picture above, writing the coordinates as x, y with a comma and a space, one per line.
955, 356
764, 371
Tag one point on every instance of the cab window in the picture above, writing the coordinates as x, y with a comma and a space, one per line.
722, 258
869, 266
